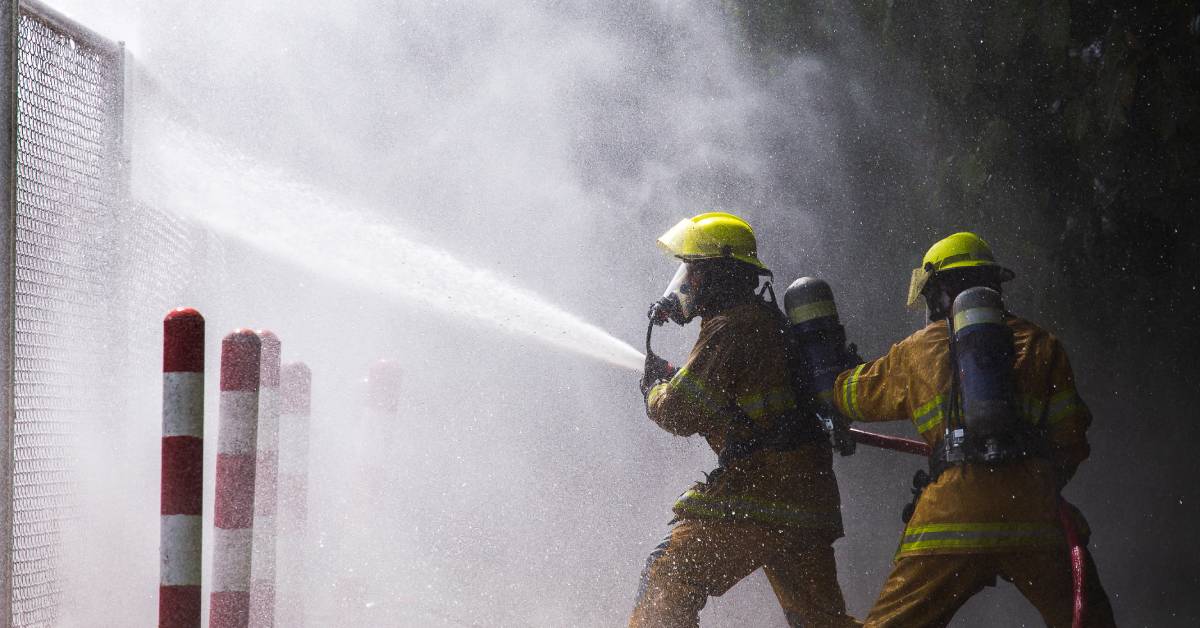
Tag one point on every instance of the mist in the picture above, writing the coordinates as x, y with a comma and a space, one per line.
473, 190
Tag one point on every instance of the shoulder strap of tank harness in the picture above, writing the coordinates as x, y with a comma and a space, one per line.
795, 428
798, 426
951, 451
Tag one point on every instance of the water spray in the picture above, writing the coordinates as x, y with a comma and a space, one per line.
188, 172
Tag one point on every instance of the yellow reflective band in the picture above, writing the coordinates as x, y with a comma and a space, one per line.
1059, 407
978, 316
851, 394
657, 391
981, 543
1033, 409
699, 505
774, 401
978, 536
1062, 405
690, 386
929, 415
971, 527
809, 311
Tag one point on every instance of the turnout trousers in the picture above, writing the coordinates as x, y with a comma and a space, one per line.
928, 590
700, 558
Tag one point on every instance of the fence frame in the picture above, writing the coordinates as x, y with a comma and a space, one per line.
10, 14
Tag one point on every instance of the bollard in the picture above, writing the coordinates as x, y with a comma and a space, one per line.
229, 605
384, 380
381, 457
182, 492
296, 388
385, 445
383, 387
385, 442
262, 569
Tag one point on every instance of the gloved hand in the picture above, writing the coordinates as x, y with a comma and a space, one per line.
657, 370
839, 431
920, 480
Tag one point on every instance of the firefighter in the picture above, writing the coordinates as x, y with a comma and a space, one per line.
992, 505
772, 502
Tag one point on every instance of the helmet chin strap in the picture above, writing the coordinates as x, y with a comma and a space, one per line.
938, 309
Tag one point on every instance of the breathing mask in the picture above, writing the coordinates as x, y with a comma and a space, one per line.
678, 302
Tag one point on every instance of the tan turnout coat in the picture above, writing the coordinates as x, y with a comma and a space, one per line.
739, 365
977, 508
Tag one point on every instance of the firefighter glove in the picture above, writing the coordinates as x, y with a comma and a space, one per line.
657, 370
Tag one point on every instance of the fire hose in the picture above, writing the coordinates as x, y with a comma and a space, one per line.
1074, 544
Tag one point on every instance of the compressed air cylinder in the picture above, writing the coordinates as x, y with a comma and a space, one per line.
818, 336
985, 354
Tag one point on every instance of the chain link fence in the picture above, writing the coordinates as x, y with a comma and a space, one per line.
67, 159
89, 270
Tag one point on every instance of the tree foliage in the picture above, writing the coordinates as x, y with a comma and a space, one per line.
1072, 127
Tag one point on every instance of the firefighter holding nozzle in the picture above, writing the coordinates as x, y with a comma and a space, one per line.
772, 502
994, 396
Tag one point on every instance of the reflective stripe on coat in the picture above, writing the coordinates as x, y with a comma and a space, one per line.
977, 508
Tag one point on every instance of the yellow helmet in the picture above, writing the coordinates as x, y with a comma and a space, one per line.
713, 235
961, 250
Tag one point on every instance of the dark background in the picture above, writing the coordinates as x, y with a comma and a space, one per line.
1066, 134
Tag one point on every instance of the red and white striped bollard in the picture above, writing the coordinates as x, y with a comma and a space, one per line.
234, 510
182, 494
384, 383
262, 570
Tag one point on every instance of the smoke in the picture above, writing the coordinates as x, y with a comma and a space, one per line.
404, 180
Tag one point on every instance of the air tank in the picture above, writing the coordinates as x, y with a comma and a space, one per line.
985, 355
817, 334
817, 352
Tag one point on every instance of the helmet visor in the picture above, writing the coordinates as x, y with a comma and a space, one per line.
916, 285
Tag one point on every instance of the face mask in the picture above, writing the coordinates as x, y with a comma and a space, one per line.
678, 303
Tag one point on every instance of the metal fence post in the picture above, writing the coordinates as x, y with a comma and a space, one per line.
8, 180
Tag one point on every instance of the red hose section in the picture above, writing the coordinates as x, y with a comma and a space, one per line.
1078, 570
894, 443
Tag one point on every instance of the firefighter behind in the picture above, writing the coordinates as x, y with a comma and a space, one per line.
772, 502
992, 507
